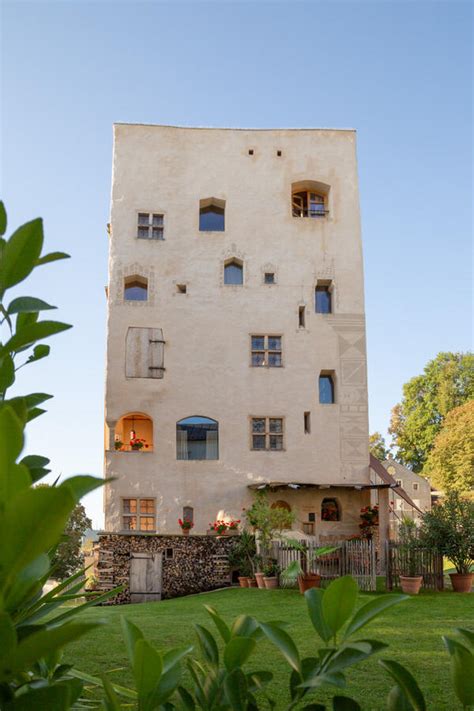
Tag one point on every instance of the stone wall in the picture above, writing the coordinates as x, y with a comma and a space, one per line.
191, 564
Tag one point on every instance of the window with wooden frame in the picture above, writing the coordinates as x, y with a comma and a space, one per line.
307, 203
267, 433
138, 515
266, 351
150, 225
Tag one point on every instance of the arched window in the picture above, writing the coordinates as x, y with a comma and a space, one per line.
309, 199
212, 215
326, 389
134, 432
330, 510
135, 288
281, 505
197, 438
188, 514
233, 272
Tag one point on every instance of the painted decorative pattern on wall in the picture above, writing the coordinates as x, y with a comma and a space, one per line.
352, 389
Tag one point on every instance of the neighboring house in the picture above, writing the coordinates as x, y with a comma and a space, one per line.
236, 351
410, 497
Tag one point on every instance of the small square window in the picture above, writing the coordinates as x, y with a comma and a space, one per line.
415, 487
169, 553
270, 433
312, 517
138, 514
269, 278
181, 288
266, 351
251, 152
150, 226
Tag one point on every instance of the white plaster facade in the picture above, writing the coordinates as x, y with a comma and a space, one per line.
168, 170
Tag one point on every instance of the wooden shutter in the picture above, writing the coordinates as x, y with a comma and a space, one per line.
144, 353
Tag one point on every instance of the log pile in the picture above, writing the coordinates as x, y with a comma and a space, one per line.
190, 564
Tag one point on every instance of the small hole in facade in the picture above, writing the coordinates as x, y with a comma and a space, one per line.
279, 153
250, 151
181, 288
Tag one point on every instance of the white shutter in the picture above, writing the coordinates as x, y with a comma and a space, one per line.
144, 353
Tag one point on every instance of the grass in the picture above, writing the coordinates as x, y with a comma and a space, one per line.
413, 629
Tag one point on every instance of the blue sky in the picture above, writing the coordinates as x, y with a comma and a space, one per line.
398, 72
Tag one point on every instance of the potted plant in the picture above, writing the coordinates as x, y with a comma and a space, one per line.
301, 570
268, 524
136, 443
242, 557
185, 526
271, 572
224, 528
410, 578
259, 574
449, 528
118, 444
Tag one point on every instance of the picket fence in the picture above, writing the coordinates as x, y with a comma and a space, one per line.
356, 558
426, 562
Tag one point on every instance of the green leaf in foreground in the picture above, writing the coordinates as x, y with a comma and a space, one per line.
28, 304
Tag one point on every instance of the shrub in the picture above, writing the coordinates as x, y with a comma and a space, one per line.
449, 527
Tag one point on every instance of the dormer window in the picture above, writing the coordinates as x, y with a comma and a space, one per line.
212, 215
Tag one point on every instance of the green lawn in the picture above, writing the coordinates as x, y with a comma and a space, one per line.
413, 629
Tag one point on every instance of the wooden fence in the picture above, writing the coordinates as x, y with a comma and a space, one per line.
426, 562
356, 558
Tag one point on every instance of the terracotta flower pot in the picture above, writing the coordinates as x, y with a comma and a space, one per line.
411, 584
461, 582
260, 580
243, 582
307, 581
270, 583
252, 583
185, 531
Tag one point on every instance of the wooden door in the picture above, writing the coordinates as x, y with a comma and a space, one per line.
145, 577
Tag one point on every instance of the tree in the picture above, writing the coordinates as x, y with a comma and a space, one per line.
449, 527
450, 464
268, 521
377, 446
68, 557
446, 383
